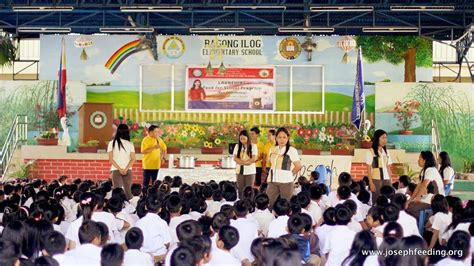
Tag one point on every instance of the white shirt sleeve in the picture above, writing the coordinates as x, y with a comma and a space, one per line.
448, 172
293, 153
109, 147
369, 158
437, 222
236, 148
430, 173
389, 158
131, 147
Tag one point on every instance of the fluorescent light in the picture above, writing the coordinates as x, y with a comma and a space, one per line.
421, 8
151, 8
44, 29
305, 29
390, 29
126, 30
216, 30
254, 7
341, 8
42, 8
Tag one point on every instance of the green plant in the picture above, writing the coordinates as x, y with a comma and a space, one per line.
25, 170
90, 143
7, 51
468, 166
49, 134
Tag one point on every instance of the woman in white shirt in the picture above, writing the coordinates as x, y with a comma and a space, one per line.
245, 155
284, 165
378, 161
122, 157
446, 170
429, 174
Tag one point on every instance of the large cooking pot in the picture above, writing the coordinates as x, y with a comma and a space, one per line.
187, 161
227, 162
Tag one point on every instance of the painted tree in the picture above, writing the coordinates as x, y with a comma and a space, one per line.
413, 50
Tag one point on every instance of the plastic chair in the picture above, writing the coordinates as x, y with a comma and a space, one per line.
323, 172
422, 218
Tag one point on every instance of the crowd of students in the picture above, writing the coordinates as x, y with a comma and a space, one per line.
173, 223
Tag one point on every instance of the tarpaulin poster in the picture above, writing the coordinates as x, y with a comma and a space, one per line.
237, 88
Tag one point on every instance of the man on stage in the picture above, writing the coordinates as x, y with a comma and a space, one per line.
154, 151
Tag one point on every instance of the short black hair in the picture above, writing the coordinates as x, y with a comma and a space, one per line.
343, 215
111, 255
391, 213
115, 204
104, 233
219, 220
344, 192
136, 189
460, 240
411, 187
344, 179
364, 196
329, 216
45, 261
152, 127
174, 203
134, 238
217, 195
281, 207
262, 201
228, 210
405, 180
376, 213
241, 208
256, 130
183, 256
351, 205
399, 200
382, 201
199, 245
299, 223
303, 199
9, 253
315, 192
88, 232
387, 191
355, 188
229, 235
54, 243
315, 175
188, 229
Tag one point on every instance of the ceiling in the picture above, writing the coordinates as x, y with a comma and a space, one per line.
88, 16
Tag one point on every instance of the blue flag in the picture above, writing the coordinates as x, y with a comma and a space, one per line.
358, 99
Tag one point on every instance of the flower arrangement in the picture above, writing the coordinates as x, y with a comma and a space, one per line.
49, 134
341, 146
90, 143
182, 135
405, 113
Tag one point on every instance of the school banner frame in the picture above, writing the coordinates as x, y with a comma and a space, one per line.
249, 89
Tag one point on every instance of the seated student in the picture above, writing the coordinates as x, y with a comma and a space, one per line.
299, 226
304, 201
329, 224
353, 224
185, 231
218, 221
114, 205
343, 193
54, 245
364, 198
88, 253
392, 233
136, 193
201, 248
277, 227
404, 181
324, 202
407, 243
45, 261
335, 249
315, 195
387, 191
133, 255
344, 179
408, 222
111, 255
363, 241
9, 253
262, 214
390, 213
227, 238
198, 207
410, 190
156, 235
214, 206
229, 195
438, 222
374, 218
248, 231
460, 246
104, 233
173, 205
183, 256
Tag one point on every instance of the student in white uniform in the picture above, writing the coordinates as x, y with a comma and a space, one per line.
329, 224
262, 214
133, 255
335, 249
111, 255
404, 181
408, 222
245, 155
440, 220
446, 170
88, 252
363, 242
458, 243
156, 235
277, 227
174, 205
185, 231
248, 231
227, 238
54, 245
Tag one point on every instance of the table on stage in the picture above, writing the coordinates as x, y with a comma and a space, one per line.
198, 174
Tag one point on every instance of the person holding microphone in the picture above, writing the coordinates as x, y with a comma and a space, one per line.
154, 151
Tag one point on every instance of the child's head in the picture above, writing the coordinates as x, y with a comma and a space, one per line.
198, 205
343, 192
439, 204
9, 253
228, 210
344, 179
188, 229
404, 181
374, 217
217, 195
355, 188
104, 233
382, 201
329, 216
134, 238
303, 199
364, 196
343, 215
205, 222
153, 204
281, 207
396, 185
299, 223
201, 248
411, 189
114, 205
228, 237
241, 209
399, 200
111, 255
136, 190
393, 229
206, 192
174, 204
177, 182
230, 193
183, 256
89, 233
219, 220
315, 192
390, 213
53, 243
387, 191
351, 205
302, 180
315, 176
460, 240
262, 201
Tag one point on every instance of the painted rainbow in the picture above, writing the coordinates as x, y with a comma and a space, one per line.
121, 54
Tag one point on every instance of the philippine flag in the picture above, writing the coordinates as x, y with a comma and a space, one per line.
61, 96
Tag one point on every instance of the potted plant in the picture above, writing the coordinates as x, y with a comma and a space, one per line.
7, 51
341, 149
48, 137
88, 147
365, 139
405, 114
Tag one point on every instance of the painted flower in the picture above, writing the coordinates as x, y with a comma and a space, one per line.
330, 130
195, 128
322, 137
192, 134
217, 141
323, 129
309, 132
367, 138
184, 133
187, 127
330, 138
316, 131
207, 144
301, 132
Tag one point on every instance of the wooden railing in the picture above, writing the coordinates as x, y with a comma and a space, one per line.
256, 118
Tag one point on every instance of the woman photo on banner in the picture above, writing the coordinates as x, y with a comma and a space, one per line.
196, 92
285, 163
122, 156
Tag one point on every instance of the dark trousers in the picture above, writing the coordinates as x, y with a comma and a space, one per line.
149, 174
258, 176
123, 181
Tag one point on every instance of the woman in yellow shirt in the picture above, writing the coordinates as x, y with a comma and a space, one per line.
154, 151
